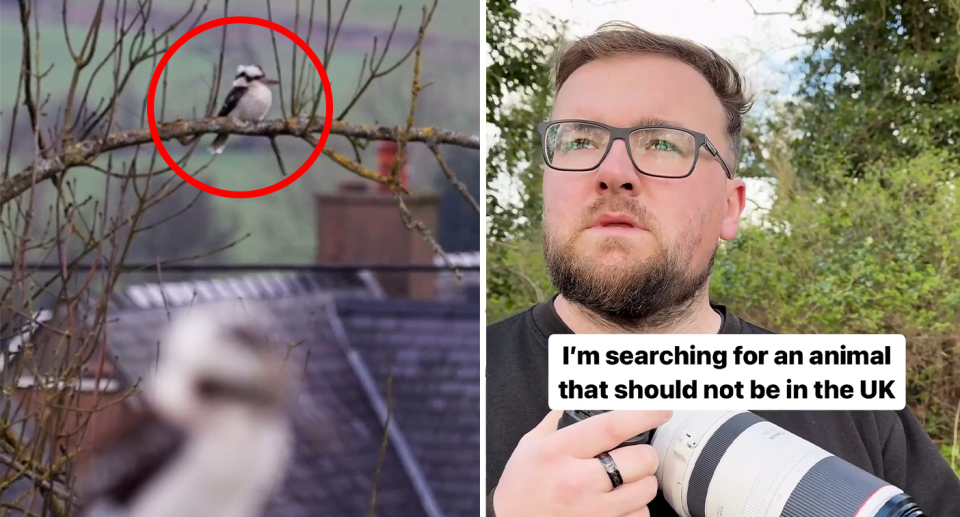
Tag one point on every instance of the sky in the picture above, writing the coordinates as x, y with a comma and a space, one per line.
760, 45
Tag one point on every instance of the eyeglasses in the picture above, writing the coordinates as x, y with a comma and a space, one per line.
660, 151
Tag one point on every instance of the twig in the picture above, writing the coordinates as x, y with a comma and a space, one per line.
772, 13
461, 188
955, 451
386, 436
37, 478
276, 56
276, 152
362, 171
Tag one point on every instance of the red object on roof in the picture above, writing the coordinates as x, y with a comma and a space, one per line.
387, 154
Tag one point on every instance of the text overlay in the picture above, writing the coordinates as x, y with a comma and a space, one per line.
727, 372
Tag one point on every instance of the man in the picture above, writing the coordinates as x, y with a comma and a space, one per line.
632, 219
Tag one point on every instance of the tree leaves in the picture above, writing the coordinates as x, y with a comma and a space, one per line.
518, 97
881, 82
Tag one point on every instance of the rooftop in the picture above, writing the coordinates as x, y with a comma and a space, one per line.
344, 330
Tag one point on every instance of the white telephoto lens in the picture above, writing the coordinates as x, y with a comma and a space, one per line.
735, 463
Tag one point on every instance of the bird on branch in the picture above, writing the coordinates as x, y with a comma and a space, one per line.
249, 99
214, 439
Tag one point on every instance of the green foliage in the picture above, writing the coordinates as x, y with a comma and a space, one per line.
952, 454
521, 278
879, 254
518, 97
881, 81
865, 235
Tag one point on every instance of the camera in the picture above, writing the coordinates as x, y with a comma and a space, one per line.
735, 463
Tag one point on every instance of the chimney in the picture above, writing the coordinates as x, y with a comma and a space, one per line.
386, 155
361, 224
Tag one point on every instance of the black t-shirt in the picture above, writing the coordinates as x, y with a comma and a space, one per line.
888, 444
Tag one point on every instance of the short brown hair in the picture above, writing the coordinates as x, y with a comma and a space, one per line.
619, 38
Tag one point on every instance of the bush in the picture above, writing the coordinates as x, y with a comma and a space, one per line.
516, 276
880, 254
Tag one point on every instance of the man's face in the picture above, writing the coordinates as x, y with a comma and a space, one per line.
641, 274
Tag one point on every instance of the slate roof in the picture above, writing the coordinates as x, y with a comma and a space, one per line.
434, 360
343, 284
432, 458
465, 289
138, 313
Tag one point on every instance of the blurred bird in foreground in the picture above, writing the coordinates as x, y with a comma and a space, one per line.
249, 99
214, 440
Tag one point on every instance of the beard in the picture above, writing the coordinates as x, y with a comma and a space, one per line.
636, 295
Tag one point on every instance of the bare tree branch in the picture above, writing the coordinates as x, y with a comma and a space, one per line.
457, 184
771, 13
85, 152
37, 477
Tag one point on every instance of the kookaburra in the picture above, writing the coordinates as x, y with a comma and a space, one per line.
249, 99
214, 440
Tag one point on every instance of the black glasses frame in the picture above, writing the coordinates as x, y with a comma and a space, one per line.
623, 133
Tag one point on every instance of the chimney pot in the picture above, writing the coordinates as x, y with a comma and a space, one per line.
387, 154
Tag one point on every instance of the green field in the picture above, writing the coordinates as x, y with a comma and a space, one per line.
450, 19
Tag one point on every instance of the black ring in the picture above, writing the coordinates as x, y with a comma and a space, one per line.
611, 467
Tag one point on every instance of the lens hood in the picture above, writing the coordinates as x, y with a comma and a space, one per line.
900, 505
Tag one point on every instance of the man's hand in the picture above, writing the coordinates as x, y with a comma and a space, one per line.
555, 473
